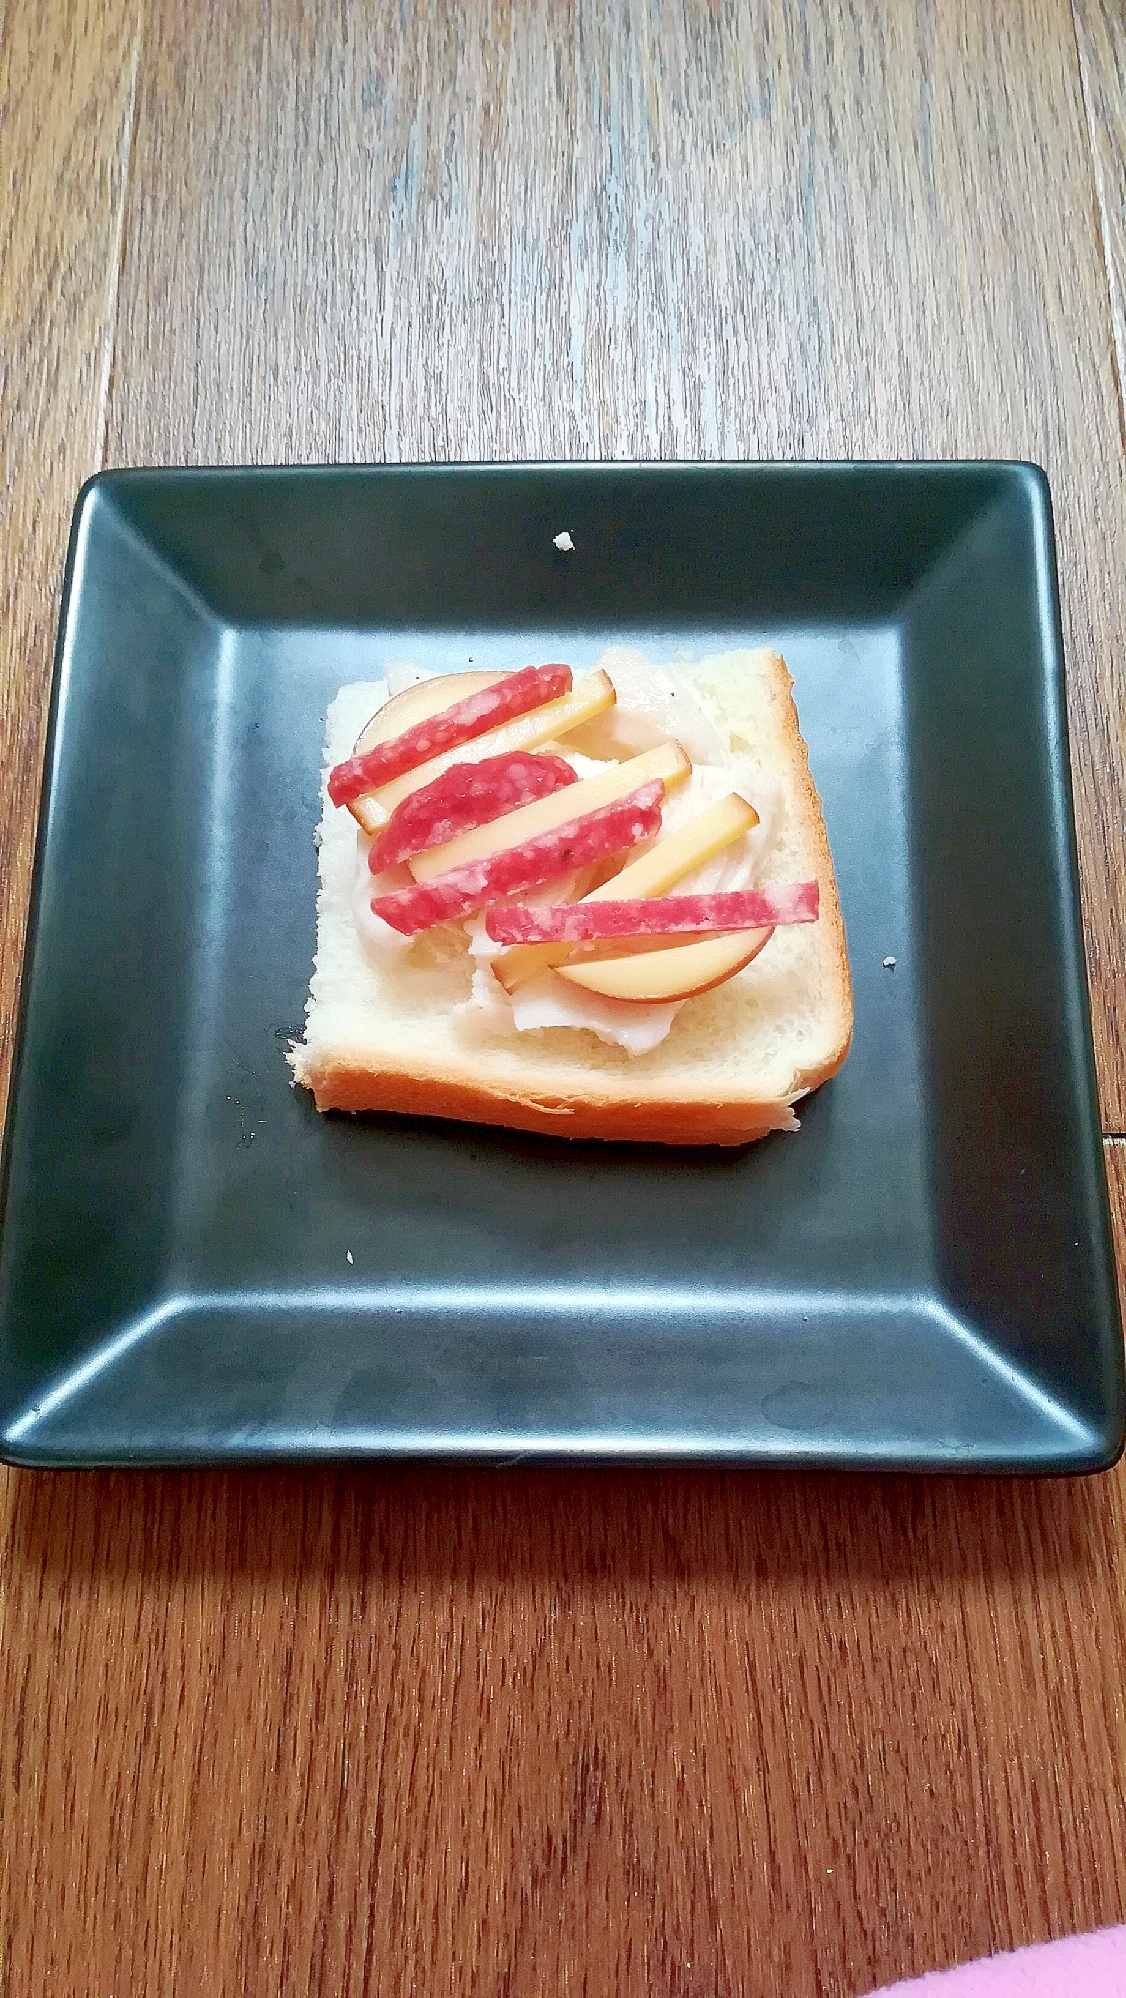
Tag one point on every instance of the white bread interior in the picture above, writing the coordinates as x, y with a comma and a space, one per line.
737, 1058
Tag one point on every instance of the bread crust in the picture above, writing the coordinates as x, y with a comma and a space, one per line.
338, 1084
808, 798
651, 1108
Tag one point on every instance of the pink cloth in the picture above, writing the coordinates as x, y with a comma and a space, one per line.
1077, 1967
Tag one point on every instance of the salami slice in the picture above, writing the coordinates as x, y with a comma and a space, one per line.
465, 796
515, 695
658, 916
580, 843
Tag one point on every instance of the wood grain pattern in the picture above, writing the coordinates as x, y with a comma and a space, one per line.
67, 86
743, 230
1101, 35
484, 1733
608, 1733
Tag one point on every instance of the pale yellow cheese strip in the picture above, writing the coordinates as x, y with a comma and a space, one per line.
668, 761
672, 856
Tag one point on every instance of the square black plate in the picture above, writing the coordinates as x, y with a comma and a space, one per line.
922, 1278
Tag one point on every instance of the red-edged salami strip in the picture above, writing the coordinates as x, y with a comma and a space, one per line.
465, 796
582, 842
657, 916
515, 695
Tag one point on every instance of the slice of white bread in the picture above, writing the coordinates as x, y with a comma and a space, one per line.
384, 1035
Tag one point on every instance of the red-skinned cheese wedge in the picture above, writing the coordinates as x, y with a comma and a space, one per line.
412, 704
466, 796
580, 842
418, 702
653, 977
506, 699
660, 916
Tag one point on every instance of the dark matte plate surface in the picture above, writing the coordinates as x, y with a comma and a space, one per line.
922, 1278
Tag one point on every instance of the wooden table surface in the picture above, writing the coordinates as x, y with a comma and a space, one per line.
457, 1731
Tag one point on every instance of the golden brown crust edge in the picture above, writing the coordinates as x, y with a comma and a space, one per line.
781, 695
690, 1120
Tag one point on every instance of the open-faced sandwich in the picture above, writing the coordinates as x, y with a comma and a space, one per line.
596, 905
